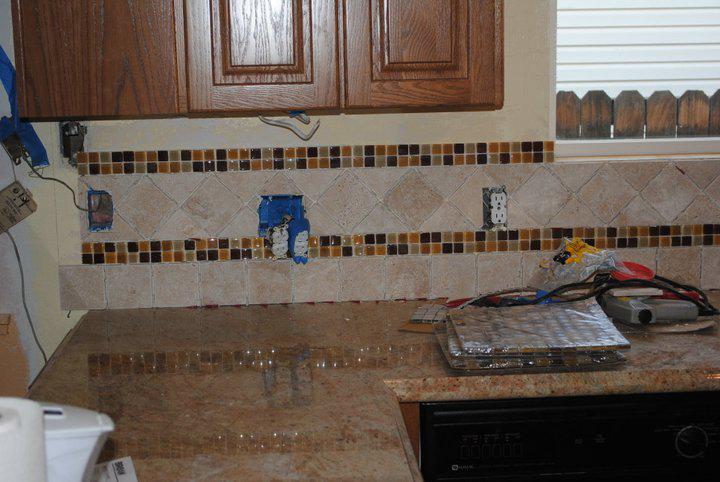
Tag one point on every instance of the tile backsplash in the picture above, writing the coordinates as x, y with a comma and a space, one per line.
185, 230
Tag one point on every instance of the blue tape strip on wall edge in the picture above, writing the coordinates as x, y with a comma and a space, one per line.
8, 126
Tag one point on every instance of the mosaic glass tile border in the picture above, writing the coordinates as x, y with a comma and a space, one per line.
401, 244
325, 157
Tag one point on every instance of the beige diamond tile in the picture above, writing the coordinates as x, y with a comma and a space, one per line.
211, 206
244, 223
573, 214
447, 218
701, 172
606, 193
244, 185
638, 213
638, 174
117, 185
670, 192
512, 176
574, 175
380, 220
468, 198
145, 207
517, 217
177, 187
279, 184
121, 230
446, 180
701, 211
321, 223
413, 200
348, 201
313, 183
180, 226
542, 196
379, 180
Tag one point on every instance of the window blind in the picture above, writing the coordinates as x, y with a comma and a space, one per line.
644, 45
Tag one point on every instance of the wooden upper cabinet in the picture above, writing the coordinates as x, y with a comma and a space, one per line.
95, 58
262, 54
424, 53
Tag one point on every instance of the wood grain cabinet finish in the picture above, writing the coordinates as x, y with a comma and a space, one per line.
262, 54
418, 53
96, 58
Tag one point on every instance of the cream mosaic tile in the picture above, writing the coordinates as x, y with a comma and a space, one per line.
670, 192
542, 196
701, 172
348, 201
211, 206
606, 193
128, 286
408, 277
680, 264
362, 279
413, 200
175, 285
223, 284
637, 213
82, 288
453, 276
145, 207
269, 282
574, 176
638, 174
701, 211
316, 281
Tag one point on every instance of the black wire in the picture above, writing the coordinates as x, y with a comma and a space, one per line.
47, 178
22, 290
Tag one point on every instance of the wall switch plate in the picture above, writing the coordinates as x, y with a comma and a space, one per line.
16, 203
494, 207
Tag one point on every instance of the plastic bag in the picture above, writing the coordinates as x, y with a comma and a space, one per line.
575, 262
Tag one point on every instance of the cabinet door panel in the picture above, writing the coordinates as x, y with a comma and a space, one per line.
89, 58
424, 53
262, 54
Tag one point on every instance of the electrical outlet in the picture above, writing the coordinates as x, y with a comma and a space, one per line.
494, 207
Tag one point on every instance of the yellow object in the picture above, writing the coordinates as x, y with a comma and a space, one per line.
577, 249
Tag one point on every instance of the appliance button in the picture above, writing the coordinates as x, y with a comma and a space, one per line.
691, 442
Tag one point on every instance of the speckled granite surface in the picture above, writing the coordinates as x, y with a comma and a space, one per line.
303, 391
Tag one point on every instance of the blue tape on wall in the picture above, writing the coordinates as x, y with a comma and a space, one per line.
11, 125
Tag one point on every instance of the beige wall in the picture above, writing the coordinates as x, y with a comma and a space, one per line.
51, 236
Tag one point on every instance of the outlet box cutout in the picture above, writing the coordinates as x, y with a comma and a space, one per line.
495, 208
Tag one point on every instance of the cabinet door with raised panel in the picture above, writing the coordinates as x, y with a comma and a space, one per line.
423, 53
261, 54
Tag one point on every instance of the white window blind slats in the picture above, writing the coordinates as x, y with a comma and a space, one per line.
644, 45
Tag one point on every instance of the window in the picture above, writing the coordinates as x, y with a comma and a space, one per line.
648, 46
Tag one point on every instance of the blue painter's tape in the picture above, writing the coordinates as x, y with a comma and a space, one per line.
8, 126
272, 212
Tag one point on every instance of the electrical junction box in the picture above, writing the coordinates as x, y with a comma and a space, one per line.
16, 203
494, 208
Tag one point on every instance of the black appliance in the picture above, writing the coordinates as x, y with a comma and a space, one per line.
670, 436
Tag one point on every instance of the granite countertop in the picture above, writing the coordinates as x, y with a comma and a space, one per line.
303, 391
